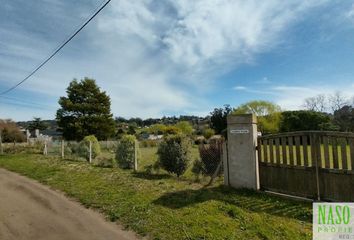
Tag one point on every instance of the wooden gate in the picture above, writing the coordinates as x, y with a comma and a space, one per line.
313, 164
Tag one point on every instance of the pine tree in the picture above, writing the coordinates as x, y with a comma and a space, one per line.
85, 111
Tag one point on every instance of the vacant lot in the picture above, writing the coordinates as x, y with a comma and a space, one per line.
164, 207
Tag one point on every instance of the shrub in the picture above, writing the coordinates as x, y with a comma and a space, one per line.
125, 153
208, 133
185, 127
10, 132
174, 154
103, 161
83, 148
149, 143
210, 157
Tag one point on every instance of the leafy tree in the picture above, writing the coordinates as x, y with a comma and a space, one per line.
85, 111
10, 132
305, 120
172, 130
37, 123
268, 114
157, 129
344, 118
218, 118
185, 127
208, 133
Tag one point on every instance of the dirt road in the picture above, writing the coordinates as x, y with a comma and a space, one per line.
31, 211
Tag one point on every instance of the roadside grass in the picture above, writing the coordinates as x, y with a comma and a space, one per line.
161, 206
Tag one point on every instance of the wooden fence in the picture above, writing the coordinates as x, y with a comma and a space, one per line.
313, 164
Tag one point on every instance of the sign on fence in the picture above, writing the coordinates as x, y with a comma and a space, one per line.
333, 221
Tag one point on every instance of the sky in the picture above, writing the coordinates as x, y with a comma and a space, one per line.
176, 57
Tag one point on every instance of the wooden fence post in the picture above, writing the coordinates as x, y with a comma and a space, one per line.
90, 152
62, 149
45, 151
315, 146
136, 155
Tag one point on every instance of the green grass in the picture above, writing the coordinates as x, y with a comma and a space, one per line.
164, 207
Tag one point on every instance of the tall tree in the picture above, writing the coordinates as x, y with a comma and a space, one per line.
337, 101
37, 123
344, 118
317, 103
305, 120
85, 111
218, 118
268, 113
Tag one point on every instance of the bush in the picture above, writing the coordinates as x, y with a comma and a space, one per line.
174, 154
83, 148
149, 143
103, 161
125, 153
210, 156
208, 133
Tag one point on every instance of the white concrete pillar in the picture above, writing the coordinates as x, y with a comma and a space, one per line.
242, 161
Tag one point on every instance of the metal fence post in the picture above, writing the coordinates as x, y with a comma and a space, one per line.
62, 149
90, 152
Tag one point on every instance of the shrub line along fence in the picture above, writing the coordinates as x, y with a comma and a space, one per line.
312, 164
59, 148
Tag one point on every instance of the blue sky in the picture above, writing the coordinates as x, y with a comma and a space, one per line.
175, 57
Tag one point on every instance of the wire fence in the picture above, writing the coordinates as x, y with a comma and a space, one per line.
206, 159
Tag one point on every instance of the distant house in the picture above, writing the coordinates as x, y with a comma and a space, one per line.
155, 137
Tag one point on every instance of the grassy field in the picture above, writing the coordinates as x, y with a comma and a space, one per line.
164, 207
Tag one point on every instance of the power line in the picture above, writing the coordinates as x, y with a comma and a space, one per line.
57, 49
20, 102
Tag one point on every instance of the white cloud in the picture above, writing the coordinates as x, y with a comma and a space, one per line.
240, 88
160, 56
350, 13
292, 97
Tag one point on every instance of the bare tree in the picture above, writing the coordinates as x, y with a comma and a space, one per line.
337, 101
317, 103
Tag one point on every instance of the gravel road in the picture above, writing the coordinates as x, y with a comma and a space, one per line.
31, 211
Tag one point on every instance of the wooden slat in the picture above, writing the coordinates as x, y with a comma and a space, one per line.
271, 151
277, 151
291, 151
265, 147
283, 146
297, 161
326, 152
259, 150
305, 150
343, 149
334, 152
351, 144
